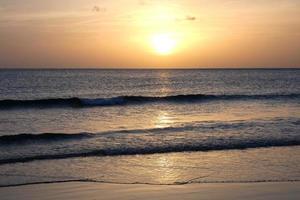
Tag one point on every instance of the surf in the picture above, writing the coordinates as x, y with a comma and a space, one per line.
77, 102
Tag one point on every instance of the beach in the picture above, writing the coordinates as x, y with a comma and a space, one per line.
94, 191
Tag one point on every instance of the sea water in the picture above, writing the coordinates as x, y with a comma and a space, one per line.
149, 126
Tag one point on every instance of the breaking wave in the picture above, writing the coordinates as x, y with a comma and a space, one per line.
157, 149
24, 138
129, 100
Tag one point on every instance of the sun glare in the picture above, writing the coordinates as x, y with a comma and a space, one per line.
163, 44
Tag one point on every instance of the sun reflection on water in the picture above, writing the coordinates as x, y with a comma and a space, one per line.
166, 173
165, 82
163, 120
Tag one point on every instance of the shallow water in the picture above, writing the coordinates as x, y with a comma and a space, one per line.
280, 164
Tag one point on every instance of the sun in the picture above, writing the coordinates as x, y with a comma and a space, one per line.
163, 44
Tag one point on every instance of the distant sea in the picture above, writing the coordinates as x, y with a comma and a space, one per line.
149, 126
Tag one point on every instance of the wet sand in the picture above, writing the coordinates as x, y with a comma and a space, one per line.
211, 191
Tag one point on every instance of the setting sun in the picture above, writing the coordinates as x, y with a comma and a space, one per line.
163, 44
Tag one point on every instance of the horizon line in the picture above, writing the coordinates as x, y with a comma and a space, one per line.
145, 68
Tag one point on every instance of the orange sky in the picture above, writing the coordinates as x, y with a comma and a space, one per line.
149, 33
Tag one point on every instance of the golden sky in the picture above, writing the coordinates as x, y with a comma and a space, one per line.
149, 33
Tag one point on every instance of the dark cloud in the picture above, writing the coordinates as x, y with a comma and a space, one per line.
186, 18
190, 18
98, 9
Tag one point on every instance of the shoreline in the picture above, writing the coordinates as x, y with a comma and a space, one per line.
94, 190
150, 184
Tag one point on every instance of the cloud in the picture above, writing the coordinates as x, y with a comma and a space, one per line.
142, 2
186, 18
146, 2
98, 9
190, 18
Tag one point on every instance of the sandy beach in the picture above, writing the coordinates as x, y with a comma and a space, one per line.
211, 191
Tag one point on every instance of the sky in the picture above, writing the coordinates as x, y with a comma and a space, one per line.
149, 33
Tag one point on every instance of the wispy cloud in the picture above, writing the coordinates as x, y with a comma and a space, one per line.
143, 2
186, 18
190, 18
98, 9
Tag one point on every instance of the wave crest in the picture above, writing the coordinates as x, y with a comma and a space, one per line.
127, 100
155, 149
24, 138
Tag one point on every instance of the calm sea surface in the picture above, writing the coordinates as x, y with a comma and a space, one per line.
149, 126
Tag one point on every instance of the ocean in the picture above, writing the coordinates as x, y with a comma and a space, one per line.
149, 126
